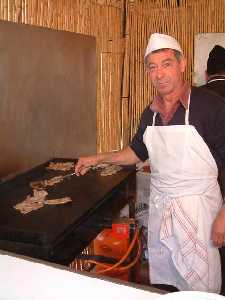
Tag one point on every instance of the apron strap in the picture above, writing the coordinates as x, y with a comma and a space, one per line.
153, 119
187, 111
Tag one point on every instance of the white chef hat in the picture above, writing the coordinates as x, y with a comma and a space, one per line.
159, 41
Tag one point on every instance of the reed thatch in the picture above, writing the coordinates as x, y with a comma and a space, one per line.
182, 19
122, 28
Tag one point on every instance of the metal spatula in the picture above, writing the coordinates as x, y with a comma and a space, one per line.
69, 175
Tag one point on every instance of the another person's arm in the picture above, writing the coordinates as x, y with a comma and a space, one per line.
123, 157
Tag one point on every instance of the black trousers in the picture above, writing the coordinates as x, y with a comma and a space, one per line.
164, 287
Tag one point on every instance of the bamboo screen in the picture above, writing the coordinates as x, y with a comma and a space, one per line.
100, 18
122, 29
182, 19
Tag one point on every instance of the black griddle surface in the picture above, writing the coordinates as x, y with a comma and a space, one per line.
48, 225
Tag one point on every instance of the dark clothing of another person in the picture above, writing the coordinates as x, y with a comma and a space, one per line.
216, 84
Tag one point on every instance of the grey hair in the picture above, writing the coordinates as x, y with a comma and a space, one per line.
177, 54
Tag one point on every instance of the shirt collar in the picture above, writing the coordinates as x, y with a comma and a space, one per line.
216, 77
157, 104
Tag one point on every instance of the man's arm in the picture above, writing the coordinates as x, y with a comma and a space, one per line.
123, 157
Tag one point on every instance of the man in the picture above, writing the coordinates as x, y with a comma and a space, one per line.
184, 143
215, 82
215, 73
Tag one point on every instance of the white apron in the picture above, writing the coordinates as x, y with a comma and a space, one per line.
184, 200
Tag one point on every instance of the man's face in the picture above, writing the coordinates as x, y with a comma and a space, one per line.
165, 71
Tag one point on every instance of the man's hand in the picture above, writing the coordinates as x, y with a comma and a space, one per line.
218, 229
122, 157
84, 163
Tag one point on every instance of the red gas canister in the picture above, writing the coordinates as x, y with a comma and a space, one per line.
113, 243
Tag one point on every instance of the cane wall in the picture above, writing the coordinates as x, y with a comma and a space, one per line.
122, 28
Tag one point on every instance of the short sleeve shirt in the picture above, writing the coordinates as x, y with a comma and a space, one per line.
206, 114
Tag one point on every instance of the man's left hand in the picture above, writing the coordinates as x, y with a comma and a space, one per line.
218, 229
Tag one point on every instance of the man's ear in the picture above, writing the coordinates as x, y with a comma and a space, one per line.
206, 76
183, 64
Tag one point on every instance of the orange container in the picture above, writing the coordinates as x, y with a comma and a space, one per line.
110, 245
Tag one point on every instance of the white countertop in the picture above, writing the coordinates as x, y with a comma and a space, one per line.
22, 278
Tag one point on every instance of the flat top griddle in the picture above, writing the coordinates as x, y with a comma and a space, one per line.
48, 225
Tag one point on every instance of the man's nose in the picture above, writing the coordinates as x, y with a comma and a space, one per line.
160, 72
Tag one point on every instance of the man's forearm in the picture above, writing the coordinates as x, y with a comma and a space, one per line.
123, 157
